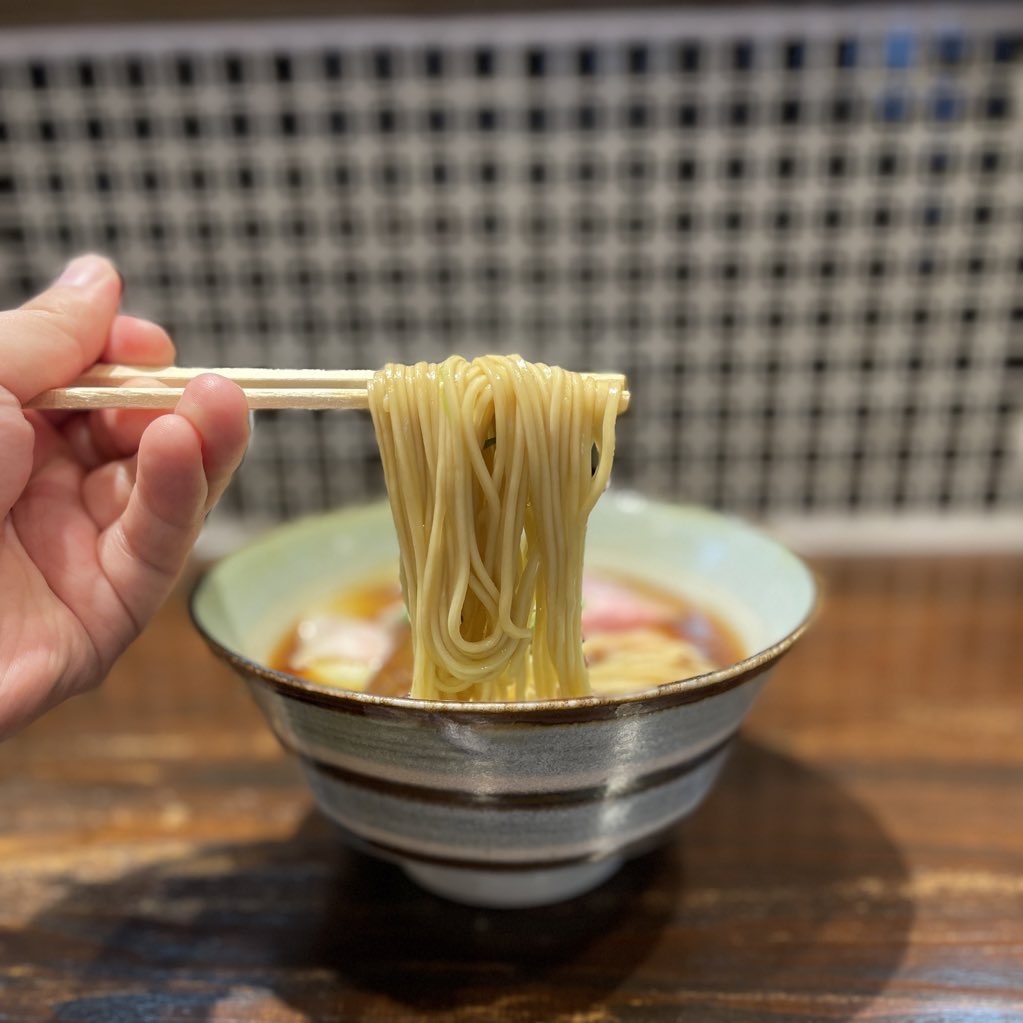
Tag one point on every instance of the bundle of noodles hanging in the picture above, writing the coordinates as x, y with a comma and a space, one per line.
492, 468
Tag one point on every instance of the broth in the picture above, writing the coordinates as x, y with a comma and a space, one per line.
637, 636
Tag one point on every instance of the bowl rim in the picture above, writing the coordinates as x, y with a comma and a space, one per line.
688, 690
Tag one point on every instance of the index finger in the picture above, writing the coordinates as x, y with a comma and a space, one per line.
116, 432
135, 342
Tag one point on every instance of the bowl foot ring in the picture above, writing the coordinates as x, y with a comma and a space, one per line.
511, 889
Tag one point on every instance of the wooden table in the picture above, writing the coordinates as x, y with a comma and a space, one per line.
861, 857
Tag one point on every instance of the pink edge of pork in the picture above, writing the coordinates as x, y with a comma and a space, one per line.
609, 606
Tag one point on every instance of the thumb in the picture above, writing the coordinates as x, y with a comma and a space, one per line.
58, 334
47, 343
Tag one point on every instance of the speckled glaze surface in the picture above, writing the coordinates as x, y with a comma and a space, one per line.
510, 804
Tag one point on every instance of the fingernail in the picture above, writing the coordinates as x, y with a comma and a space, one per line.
84, 271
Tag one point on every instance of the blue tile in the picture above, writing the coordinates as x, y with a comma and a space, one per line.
946, 104
847, 53
900, 51
950, 48
894, 106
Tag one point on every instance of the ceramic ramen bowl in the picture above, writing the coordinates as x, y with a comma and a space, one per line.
510, 804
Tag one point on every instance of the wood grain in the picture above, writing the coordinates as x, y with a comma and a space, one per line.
132, 387
861, 857
91, 398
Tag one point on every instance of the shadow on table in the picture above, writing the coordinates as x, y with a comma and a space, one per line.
781, 883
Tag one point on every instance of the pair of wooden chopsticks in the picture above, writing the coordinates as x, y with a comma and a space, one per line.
101, 387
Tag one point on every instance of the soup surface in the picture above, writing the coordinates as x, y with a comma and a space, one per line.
635, 637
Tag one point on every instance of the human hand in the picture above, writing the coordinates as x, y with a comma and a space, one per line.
100, 509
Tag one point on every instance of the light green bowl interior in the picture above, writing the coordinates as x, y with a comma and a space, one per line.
249, 601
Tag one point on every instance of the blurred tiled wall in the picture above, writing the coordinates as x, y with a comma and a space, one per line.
800, 232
